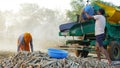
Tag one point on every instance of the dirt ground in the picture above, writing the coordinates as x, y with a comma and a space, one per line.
6, 54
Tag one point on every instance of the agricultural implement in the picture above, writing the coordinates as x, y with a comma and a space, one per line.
85, 32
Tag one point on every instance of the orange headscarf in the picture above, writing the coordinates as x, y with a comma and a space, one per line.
27, 38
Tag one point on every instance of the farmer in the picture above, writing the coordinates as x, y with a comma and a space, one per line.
100, 22
23, 42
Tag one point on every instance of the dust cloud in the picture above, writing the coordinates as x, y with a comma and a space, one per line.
42, 23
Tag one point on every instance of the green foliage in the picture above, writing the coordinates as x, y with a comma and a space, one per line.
77, 6
31, 17
93, 1
118, 7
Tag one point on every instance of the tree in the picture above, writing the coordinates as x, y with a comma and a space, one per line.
118, 7
77, 6
32, 18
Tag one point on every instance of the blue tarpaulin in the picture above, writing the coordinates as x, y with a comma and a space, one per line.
66, 26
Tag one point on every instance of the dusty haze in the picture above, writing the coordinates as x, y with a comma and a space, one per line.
42, 23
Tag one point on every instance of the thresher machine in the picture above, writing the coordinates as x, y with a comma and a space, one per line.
85, 30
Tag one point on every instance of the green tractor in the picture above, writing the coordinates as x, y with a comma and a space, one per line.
85, 30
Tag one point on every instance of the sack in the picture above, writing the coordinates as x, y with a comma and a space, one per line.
89, 9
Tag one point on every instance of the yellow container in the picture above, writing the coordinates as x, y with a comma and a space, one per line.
112, 13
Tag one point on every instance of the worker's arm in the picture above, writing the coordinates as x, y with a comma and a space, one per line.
18, 47
31, 45
88, 16
20, 42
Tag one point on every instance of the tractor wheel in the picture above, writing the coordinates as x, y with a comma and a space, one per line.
114, 50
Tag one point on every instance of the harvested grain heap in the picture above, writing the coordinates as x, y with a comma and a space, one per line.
42, 60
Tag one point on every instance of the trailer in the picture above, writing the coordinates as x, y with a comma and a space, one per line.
85, 30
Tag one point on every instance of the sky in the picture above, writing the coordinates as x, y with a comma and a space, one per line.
116, 2
51, 4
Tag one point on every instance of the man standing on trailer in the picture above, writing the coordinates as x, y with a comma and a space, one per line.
100, 22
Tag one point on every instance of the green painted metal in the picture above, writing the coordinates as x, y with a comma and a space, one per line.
113, 30
86, 28
82, 28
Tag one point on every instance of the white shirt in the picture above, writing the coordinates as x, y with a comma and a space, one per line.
99, 24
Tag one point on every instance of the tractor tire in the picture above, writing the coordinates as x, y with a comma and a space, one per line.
114, 50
